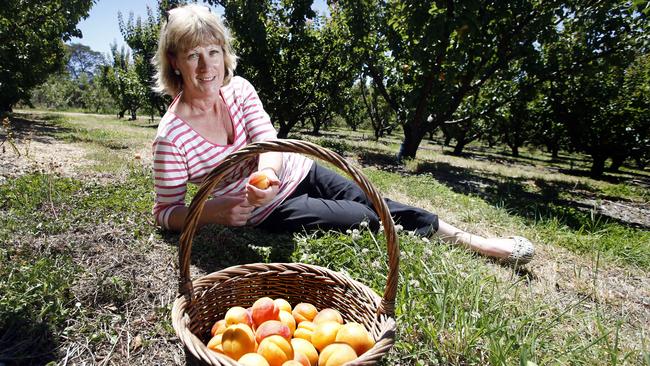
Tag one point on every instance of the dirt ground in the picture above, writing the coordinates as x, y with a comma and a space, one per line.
618, 290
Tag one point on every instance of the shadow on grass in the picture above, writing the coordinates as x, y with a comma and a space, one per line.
531, 199
25, 341
217, 247
42, 128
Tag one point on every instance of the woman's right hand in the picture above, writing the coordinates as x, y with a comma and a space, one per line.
230, 210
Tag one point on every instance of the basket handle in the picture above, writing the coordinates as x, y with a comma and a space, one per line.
186, 288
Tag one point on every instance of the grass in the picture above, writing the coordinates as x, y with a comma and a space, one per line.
88, 279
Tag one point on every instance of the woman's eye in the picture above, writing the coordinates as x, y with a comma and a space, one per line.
215, 52
193, 56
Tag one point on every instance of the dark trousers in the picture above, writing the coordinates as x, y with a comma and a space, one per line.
326, 200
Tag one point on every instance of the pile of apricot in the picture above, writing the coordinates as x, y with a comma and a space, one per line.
272, 333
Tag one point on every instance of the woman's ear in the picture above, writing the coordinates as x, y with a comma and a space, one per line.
172, 60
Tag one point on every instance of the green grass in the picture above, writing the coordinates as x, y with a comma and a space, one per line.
80, 258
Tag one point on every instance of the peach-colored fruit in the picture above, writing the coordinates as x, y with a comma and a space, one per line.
264, 309
259, 180
271, 327
238, 340
336, 354
325, 334
301, 359
328, 314
305, 330
215, 343
282, 304
276, 350
287, 319
238, 315
253, 359
218, 327
294, 363
356, 336
307, 325
304, 347
304, 311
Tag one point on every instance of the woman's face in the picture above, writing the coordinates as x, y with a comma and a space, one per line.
201, 68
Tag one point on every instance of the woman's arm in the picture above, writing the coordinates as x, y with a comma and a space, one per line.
229, 210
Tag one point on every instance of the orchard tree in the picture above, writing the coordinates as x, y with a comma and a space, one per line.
592, 100
141, 34
298, 61
32, 36
426, 57
121, 80
83, 60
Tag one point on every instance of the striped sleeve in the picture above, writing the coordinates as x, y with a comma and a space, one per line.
170, 179
257, 122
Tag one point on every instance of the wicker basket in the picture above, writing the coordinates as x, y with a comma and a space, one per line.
206, 299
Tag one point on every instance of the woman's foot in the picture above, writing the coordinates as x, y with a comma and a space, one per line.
512, 250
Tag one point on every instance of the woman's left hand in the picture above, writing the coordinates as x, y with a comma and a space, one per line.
259, 197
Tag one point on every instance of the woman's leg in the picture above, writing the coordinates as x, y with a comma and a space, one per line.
491, 247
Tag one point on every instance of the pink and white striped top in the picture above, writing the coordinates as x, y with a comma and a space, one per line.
181, 155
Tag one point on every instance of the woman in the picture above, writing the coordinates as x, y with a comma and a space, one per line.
215, 113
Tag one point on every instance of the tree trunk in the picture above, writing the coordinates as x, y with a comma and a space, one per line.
283, 132
598, 165
555, 151
617, 162
515, 150
315, 129
458, 149
412, 139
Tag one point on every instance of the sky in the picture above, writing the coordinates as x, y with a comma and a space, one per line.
101, 28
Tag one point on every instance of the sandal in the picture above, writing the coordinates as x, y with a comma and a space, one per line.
522, 252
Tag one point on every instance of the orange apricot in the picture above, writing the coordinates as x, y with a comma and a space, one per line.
238, 340
215, 343
282, 304
304, 330
356, 336
259, 180
287, 319
264, 309
238, 315
328, 314
276, 350
325, 334
336, 354
272, 327
218, 327
305, 348
253, 359
293, 363
304, 311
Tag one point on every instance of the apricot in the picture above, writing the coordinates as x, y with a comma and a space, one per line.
294, 363
300, 359
238, 340
272, 327
282, 304
218, 327
325, 334
304, 311
253, 359
356, 336
328, 314
304, 330
259, 180
264, 309
287, 319
238, 315
215, 343
276, 350
336, 354
305, 348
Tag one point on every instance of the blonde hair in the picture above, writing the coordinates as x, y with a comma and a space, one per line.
187, 27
